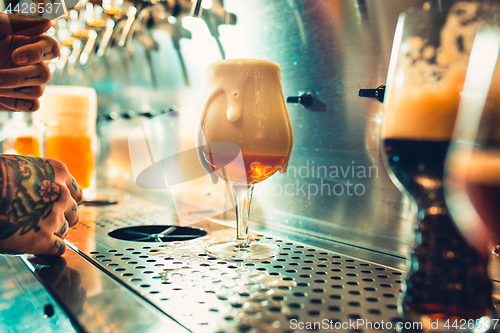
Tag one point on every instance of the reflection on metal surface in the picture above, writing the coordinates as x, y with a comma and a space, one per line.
94, 301
25, 305
63, 281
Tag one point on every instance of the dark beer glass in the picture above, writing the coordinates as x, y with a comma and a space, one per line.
446, 278
472, 185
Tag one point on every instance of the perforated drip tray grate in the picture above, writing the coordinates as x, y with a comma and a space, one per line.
303, 284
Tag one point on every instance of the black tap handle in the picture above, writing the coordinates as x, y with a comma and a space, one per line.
306, 100
377, 93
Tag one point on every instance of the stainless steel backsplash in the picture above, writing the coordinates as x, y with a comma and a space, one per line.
336, 186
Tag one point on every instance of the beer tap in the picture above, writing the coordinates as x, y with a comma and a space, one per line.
214, 18
159, 15
73, 57
131, 14
177, 33
88, 50
106, 38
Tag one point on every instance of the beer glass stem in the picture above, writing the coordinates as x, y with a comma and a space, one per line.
242, 195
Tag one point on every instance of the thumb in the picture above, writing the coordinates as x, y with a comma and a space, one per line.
20, 24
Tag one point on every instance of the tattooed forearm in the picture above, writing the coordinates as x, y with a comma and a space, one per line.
26, 78
24, 90
28, 192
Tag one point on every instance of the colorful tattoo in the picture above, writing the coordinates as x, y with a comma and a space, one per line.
74, 208
28, 192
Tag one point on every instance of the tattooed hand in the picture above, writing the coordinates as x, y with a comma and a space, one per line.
22, 52
38, 205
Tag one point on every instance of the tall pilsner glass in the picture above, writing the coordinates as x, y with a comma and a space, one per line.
245, 138
446, 278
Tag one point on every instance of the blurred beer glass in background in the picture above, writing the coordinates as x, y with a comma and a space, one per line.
66, 125
20, 135
473, 166
446, 278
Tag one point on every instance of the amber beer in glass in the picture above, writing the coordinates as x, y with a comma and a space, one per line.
245, 137
66, 127
446, 277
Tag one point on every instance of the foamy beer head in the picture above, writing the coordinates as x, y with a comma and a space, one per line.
244, 105
70, 110
66, 126
424, 89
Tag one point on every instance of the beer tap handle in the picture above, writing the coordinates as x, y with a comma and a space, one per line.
106, 38
89, 48
214, 18
377, 93
196, 9
308, 101
305, 100
131, 12
62, 60
73, 57
177, 33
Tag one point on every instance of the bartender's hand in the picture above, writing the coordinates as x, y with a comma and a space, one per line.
38, 205
22, 52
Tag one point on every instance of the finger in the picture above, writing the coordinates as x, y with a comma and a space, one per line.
37, 49
19, 24
32, 92
25, 76
20, 104
3, 108
27, 26
75, 189
51, 246
71, 214
62, 232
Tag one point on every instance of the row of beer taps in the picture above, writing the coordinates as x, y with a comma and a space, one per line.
93, 27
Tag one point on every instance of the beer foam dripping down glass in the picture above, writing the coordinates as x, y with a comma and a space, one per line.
245, 137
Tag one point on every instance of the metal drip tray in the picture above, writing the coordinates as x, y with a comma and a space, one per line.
303, 284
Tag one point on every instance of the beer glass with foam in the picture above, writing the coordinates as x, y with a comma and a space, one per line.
446, 278
473, 164
66, 125
245, 137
